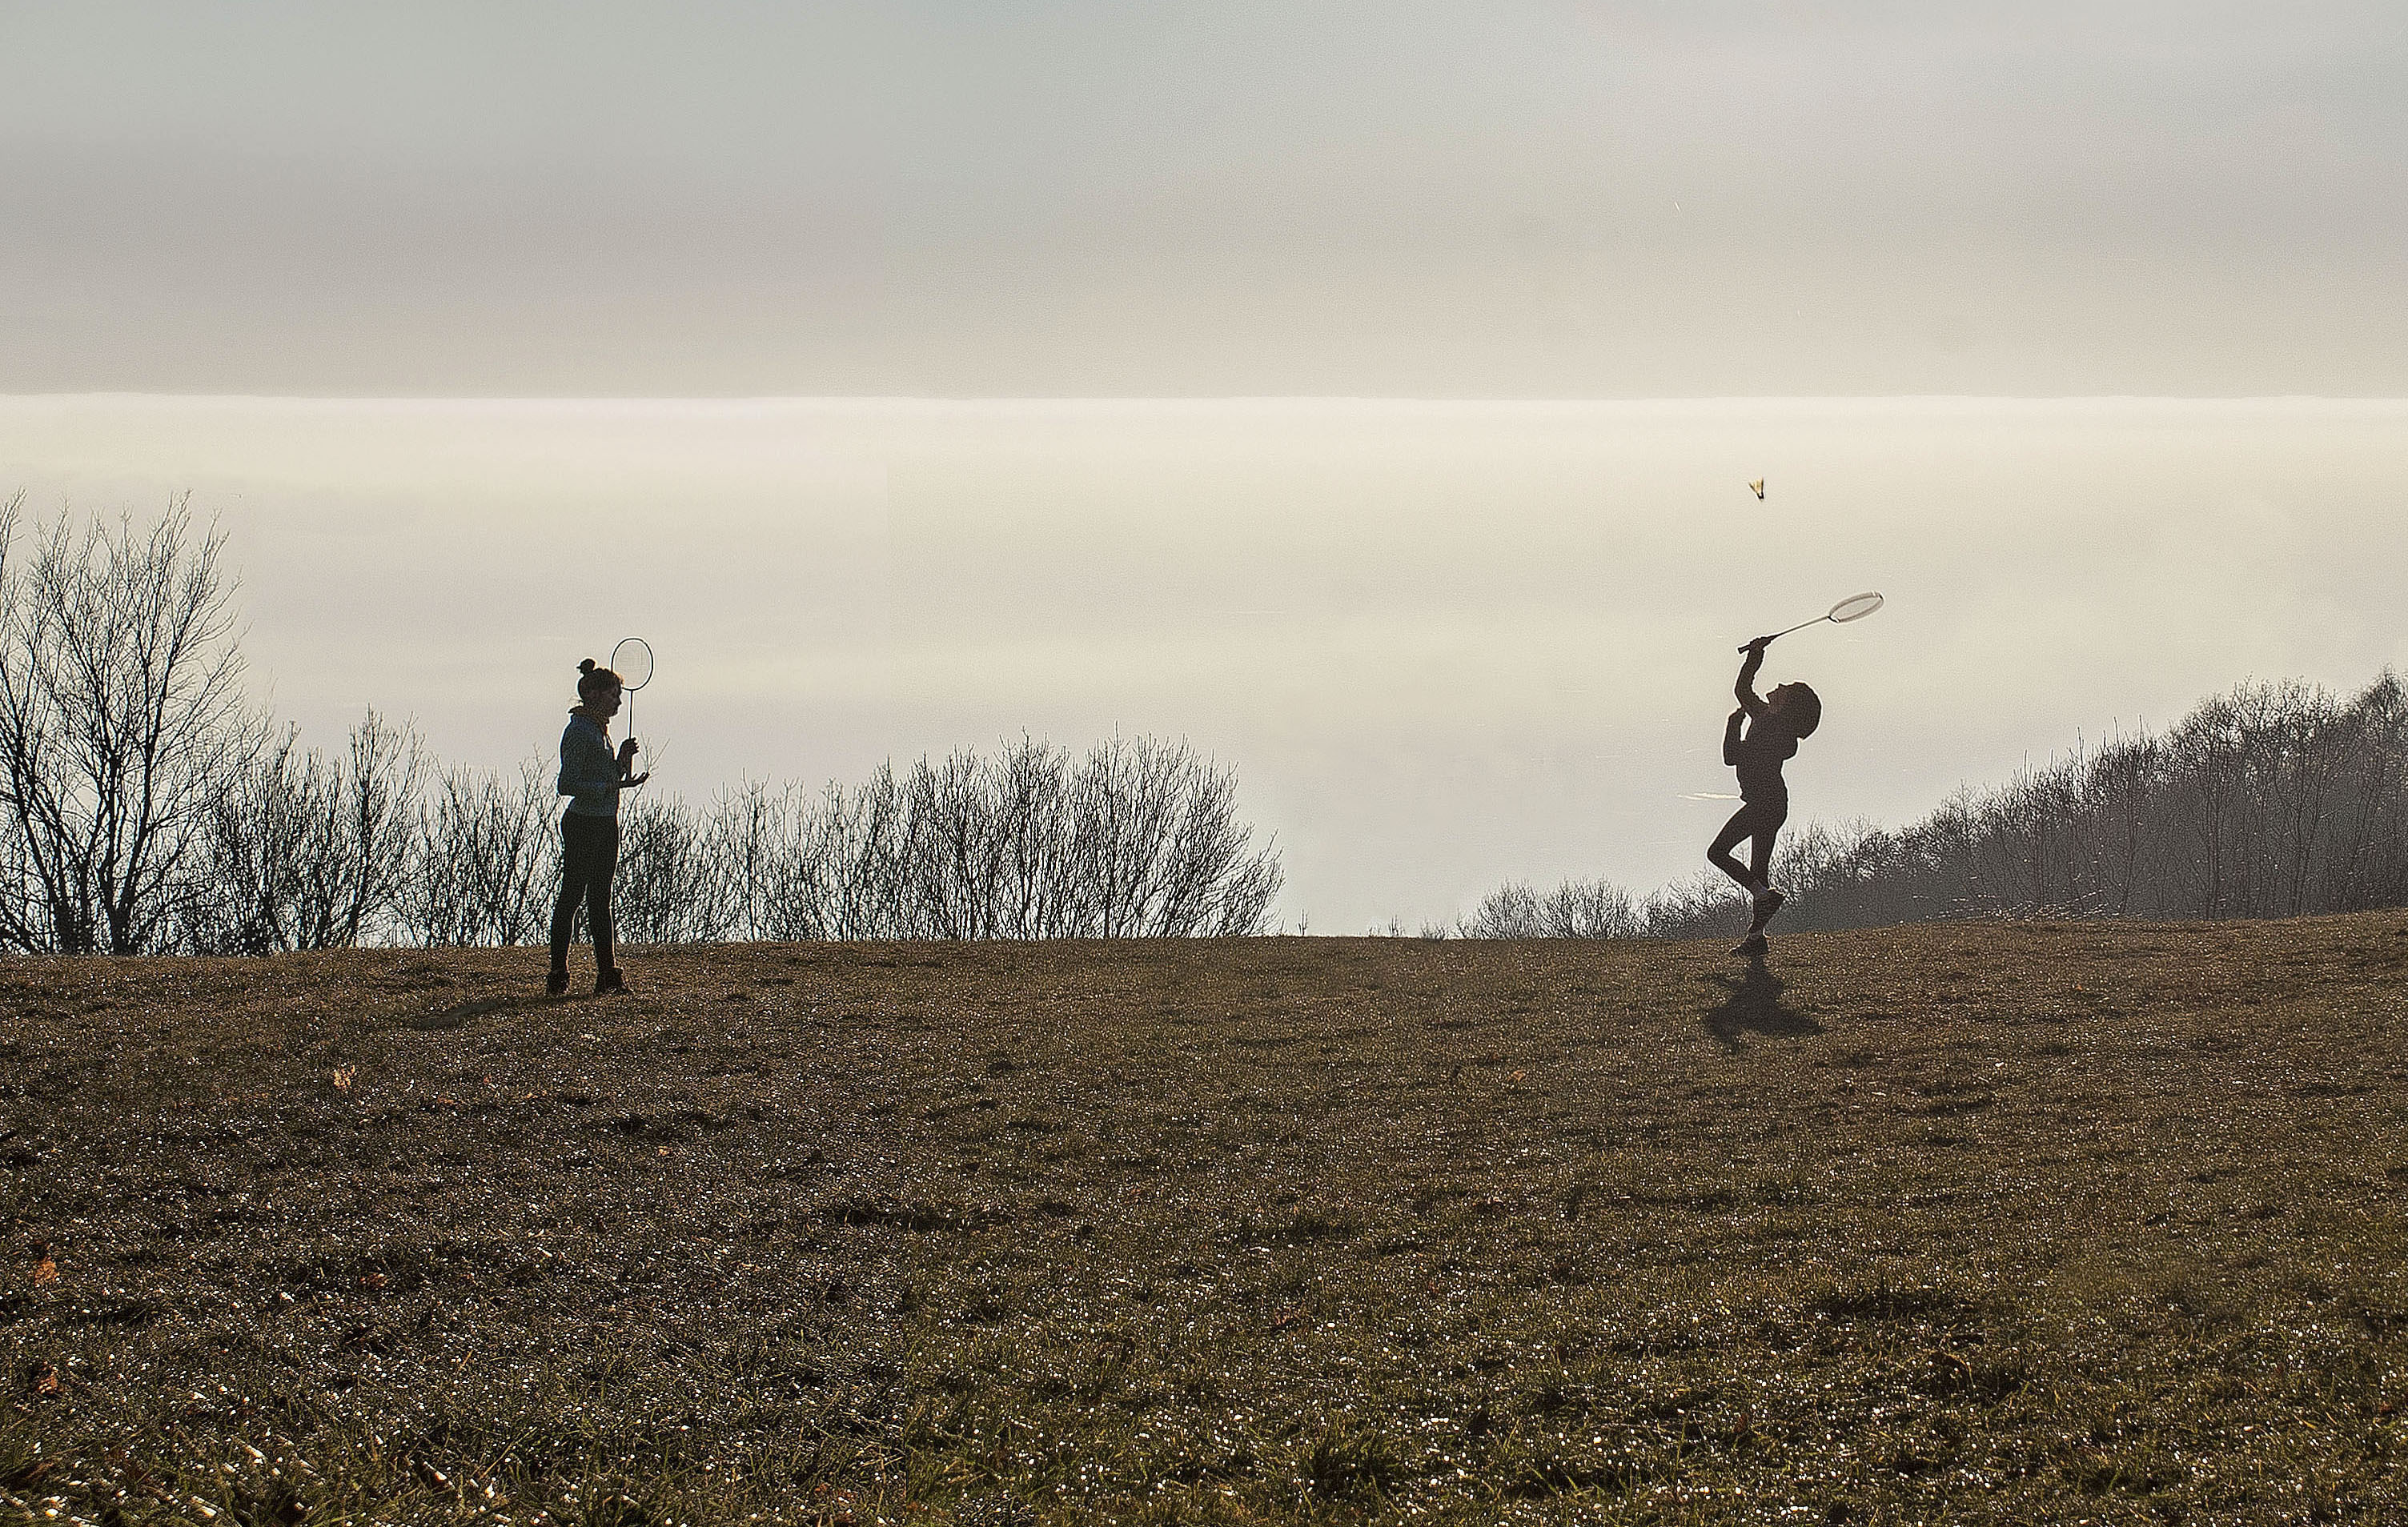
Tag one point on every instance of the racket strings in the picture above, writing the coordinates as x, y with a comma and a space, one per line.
632, 661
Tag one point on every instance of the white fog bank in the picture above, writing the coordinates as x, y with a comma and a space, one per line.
1443, 645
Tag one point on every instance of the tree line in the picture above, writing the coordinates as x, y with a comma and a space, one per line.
2273, 800
147, 808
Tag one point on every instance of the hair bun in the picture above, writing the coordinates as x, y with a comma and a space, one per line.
586, 667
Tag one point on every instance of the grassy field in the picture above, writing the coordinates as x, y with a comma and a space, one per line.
2011, 1223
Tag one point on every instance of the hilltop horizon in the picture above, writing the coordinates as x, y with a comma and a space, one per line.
1112, 399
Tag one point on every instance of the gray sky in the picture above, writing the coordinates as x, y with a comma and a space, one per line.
1520, 200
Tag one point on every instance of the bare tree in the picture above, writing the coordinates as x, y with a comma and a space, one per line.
2369, 866
304, 851
665, 891
1139, 839
485, 859
2270, 800
143, 806
121, 717
243, 892
745, 843
1575, 909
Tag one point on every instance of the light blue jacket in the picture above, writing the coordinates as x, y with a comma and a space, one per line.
590, 775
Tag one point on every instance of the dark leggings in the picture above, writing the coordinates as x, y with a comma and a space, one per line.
1757, 820
589, 853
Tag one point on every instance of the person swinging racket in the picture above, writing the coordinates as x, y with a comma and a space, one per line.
1774, 725
591, 775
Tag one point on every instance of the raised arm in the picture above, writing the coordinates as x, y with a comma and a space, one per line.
1749, 700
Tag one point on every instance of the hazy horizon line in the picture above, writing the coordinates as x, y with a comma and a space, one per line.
1183, 399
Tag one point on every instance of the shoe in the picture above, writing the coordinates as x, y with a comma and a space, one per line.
1767, 902
608, 982
1753, 946
556, 984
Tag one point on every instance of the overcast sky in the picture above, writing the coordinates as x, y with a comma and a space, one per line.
1536, 200
1443, 644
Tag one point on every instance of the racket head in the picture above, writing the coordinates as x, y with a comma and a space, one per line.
1855, 607
632, 661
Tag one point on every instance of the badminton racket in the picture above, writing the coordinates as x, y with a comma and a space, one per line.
1855, 607
632, 661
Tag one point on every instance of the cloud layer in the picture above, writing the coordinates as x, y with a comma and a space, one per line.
1550, 200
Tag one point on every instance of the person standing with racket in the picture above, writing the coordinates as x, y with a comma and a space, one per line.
591, 775
1774, 725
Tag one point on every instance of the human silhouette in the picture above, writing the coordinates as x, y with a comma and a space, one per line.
1773, 725
591, 777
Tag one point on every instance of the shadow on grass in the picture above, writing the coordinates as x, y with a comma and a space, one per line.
460, 1013
1752, 1004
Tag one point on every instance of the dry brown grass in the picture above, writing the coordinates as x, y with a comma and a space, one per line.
1987, 1224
